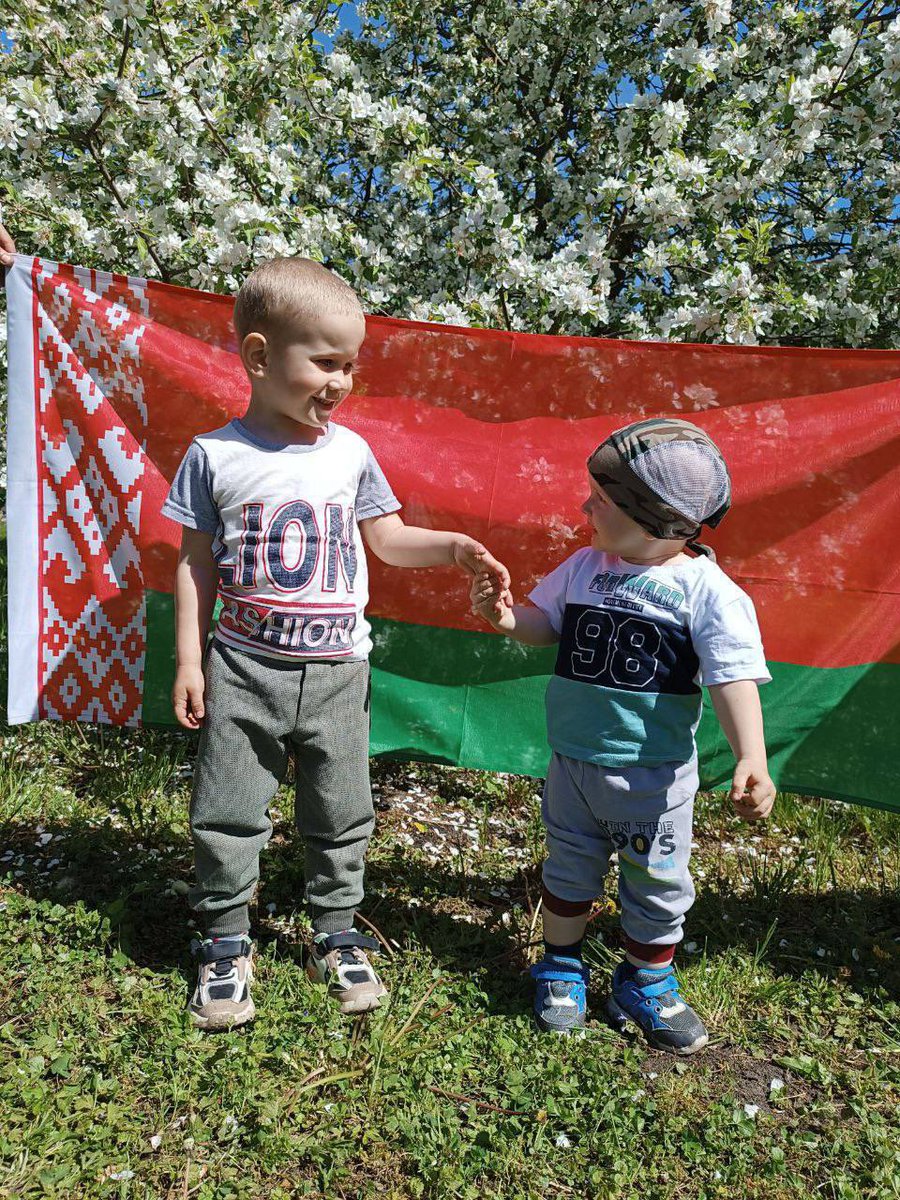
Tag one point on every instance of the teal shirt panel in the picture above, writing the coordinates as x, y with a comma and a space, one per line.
618, 728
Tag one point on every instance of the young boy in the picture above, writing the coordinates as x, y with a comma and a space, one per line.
272, 507
640, 626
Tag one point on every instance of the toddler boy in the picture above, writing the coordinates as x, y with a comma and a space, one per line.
640, 626
276, 508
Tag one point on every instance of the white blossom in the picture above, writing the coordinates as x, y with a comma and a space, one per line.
724, 171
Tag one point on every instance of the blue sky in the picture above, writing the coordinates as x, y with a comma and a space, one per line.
348, 18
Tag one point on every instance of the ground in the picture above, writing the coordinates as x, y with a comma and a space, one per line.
791, 957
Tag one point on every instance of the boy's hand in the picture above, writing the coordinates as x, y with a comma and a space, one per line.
476, 559
187, 697
489, 599
752, 790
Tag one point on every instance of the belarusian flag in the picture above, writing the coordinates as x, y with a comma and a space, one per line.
477, 430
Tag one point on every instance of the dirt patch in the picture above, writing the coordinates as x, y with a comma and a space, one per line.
723, 1070
440, 830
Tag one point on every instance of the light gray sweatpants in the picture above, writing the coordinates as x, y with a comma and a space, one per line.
643, 813
258, 710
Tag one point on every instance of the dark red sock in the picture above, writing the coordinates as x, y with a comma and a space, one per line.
564, 908
648, 956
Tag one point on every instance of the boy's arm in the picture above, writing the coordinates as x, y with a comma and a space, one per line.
401, 545
740, 715
527, 624
196, 579
524, 623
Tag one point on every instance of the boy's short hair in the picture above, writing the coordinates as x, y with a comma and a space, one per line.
283, 290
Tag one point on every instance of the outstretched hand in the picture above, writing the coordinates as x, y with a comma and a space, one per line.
489, 599
478, 560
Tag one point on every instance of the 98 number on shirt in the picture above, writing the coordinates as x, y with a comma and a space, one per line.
618, 651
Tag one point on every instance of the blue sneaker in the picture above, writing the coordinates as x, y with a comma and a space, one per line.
650, 998
560, 997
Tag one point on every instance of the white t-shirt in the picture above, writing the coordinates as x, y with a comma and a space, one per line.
293, 579
636, 644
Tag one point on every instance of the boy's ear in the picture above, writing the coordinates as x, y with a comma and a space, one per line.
255, 355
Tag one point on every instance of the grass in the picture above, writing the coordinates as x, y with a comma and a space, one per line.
106, 1090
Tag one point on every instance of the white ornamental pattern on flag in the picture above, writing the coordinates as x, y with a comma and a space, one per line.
93, 436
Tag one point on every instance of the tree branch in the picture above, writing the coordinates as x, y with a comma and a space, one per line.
207, 121
108, 104
111, 184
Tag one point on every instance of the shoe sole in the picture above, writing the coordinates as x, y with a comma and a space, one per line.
218, 1021
620, 1018
362, 1004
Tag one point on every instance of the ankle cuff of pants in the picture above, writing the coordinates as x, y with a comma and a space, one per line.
564, 908
227, 924
335, 920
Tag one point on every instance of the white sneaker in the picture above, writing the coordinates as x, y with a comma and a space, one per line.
221, 999
339, 961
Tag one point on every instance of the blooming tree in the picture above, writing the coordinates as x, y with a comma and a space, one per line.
719, 170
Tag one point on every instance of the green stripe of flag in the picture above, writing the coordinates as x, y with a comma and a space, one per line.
477, 700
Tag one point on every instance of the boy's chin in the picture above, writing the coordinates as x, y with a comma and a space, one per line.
604, 546
321, 420
314, 420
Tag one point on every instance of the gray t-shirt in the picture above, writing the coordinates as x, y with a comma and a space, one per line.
284, 518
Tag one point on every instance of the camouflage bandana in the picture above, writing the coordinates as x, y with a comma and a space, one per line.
611, 466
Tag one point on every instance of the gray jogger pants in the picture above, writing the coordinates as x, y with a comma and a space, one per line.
643, 813
257, 711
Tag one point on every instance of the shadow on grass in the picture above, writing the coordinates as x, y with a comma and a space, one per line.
127, 875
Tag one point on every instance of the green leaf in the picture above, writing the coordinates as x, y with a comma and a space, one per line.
61, 1065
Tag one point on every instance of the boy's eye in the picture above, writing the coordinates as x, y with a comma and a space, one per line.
328, 363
